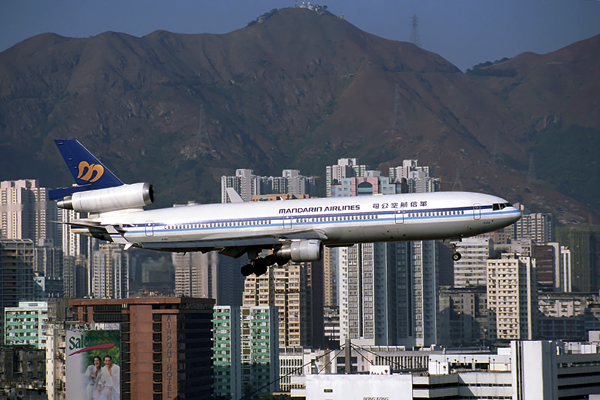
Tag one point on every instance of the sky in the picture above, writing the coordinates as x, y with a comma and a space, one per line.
465, 32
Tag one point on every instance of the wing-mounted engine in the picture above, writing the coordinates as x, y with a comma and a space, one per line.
115, 198
300, 251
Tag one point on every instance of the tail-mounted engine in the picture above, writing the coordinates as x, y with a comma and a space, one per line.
110, 199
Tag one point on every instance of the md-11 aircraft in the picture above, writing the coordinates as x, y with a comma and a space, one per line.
293, 230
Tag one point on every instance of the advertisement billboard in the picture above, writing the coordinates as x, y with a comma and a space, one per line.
93, 360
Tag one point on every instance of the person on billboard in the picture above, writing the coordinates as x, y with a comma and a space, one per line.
92, 374
110, 380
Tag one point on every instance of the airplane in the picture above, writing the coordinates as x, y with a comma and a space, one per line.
284, 230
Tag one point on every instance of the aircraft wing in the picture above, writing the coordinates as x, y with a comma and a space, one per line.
236, 247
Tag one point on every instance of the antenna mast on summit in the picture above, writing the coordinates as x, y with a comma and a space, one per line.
414, 32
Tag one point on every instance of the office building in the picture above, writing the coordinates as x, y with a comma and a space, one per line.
26, 324
165, 344
564, 279
295, 363
245, 350
547, 257
512, 298
16, 273
584, 253
110, 272
471, 269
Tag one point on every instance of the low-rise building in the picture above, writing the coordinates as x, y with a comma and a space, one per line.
532, 370
26, 324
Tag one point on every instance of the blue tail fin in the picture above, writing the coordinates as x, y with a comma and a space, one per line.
88, 172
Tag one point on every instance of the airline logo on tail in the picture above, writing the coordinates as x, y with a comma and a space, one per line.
84, 166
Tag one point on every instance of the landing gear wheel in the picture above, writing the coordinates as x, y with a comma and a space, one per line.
260, 266
247, 269
456, 256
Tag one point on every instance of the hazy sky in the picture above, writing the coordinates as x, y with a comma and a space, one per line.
465, 32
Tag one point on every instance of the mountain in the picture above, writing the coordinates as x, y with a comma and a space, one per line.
555, 96
298, 90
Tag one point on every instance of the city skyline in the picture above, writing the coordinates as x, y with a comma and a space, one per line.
400, 287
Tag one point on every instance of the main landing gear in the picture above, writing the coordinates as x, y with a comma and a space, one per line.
455, 254
258, 266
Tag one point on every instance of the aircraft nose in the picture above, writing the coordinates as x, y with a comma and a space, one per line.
516, 215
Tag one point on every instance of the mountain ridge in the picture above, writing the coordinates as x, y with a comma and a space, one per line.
296, 91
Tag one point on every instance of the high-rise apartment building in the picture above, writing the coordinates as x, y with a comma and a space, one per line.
290, 182
26, 324
196, 274
345, 168
227, 361
165, 344
246, 184
512, 298
75, 265
245, 350
211, 275
16, 273
471, 269
25, 211
567, 316
462, 317
110, 268
418, 178
538, 227
387, 291
285, 288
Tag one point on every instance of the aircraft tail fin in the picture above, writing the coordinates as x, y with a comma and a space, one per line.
88, 172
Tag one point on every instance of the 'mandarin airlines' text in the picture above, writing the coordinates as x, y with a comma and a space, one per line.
302, 210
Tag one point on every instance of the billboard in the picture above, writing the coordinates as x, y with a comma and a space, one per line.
93, 360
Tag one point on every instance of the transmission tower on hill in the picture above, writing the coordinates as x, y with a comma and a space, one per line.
414, 32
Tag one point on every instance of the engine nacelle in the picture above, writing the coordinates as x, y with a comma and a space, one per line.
110, 199
300, 251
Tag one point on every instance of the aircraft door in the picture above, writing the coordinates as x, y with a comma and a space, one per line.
287, 222
476, 211
400, 216
149, 228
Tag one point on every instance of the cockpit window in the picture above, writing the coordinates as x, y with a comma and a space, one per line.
500, 206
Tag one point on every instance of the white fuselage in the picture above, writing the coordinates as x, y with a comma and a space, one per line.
335, 221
